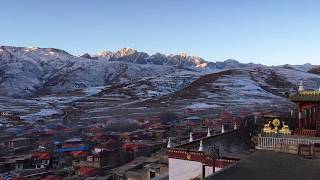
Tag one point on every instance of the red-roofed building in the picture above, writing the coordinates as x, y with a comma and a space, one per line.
50, 132
111, 144
42, 155
41, 159
18, 178
133, 146
106, 158
112, 141
87, 171
100, 148
99, 138
52, 177
79, 154
69, 130
45, 144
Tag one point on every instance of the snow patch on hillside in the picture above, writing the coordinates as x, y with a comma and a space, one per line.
311, 81
202, 106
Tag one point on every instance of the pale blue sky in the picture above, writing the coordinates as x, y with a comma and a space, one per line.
262, 31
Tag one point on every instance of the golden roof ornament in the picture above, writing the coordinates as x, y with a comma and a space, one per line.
285, 129
276, 122
276, 126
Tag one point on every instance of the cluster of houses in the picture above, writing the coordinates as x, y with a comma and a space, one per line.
58, 151
92, 149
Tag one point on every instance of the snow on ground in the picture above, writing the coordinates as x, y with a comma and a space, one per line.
154, 93
44, 106
202, 106
295, 76
242, 86
90, 91
155, 86
38, 115
239, 90
55, 71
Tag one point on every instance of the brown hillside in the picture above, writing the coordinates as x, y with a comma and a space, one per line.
315, 70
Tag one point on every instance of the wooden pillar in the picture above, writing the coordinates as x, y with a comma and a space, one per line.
299, 120
310, 117
317, 114
305, 118
300, 115
204, 171
314, 116
214, 166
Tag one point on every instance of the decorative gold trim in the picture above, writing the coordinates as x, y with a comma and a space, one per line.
189, 156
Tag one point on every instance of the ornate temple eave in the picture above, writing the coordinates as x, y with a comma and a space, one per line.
306, 96
199, 156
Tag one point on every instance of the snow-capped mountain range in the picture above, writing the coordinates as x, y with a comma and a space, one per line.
26, 72
182, 60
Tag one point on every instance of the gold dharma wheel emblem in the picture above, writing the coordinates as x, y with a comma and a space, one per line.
276, 122
276, 126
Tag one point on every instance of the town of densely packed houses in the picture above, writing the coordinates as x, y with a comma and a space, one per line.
92, 150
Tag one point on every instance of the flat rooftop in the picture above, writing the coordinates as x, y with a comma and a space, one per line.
231, 144
265, 165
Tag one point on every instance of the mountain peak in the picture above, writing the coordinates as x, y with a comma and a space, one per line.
86, 55
32, 48
105, 54
231, 61
126, 51
54, 50
184, 55
13, 49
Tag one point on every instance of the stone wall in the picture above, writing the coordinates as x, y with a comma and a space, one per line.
291, 149
303, 150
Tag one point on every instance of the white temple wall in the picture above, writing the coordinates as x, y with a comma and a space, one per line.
185, 170
209, 170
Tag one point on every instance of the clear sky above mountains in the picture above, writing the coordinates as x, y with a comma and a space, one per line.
270, 32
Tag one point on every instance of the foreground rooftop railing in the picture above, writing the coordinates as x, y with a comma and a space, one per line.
272, 142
